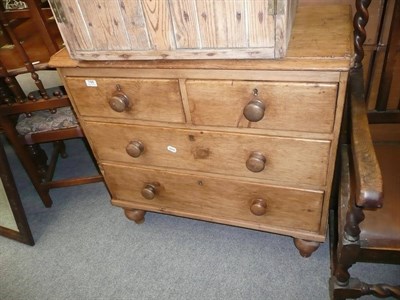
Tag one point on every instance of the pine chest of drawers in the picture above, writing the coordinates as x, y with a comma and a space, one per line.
250, 143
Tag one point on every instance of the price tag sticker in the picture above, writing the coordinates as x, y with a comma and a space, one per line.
171, 149
91, 82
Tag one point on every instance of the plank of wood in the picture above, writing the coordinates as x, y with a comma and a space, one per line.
187, 54
376, 75
75, 30
280, 35
105, 24
231, 26
159, 24
283, 26
206, 17
262, 26
186, 27
132, 14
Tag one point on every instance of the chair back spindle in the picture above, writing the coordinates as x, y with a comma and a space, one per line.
22, 53
13, 85
359, 22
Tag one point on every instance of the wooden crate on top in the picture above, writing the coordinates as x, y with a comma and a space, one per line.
175, 29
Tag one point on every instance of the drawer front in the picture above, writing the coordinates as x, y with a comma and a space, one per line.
140, 99
233, 202
280, 106
286, 159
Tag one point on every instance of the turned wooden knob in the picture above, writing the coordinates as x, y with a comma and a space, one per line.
258, 207
256, 162
150, 190
135, 148
119, 101
254, 110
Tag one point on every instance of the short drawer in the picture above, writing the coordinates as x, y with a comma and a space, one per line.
255, 156
140, 99
307, 107
215, 199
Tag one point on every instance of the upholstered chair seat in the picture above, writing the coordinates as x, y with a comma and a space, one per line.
44, 120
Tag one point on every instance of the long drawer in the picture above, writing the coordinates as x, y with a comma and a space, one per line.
253, 156
216, 199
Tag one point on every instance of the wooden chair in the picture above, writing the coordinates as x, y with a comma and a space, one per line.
368, 216
40, 14
42, 116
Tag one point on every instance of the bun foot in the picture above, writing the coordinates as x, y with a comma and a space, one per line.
135, 215
306, 248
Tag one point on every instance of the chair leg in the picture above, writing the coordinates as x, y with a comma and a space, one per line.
31, 169
60, 146
342, 286
36, 179
347, 256
45, 196
39, 158
26, 161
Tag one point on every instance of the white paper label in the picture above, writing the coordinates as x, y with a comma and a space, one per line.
91, 82
171, 149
